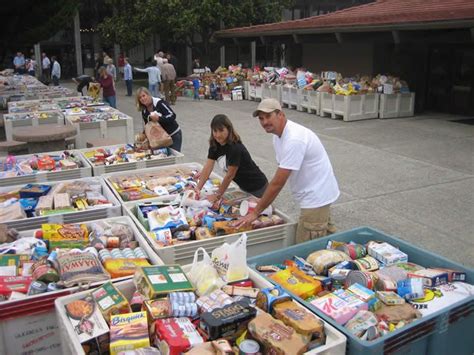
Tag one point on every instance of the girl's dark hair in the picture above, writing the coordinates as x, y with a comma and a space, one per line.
218, 123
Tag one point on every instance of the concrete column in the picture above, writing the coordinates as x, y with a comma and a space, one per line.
253, 53
39, 64
77, 44
283, 55
189, 60
222, 50
116, 55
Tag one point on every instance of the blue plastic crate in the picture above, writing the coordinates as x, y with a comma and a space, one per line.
444, 332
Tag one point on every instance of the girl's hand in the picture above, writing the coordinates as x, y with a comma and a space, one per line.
154, 116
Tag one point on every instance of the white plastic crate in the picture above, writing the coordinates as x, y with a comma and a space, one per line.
275, 92
69, 174
36, 314
121, 130
310, 101
291, 97
99, 170
285, 95
13, 120
69, 217
110, 178
335, 340
255, 92
351, 108
246, 85
259, 240
266, 91
397, 105
326, 103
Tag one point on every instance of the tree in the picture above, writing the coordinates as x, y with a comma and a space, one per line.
25, 23
183, 21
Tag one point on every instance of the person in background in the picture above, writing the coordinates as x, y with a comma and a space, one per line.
173, 60
108, 87
168, 74
226, 148
55, 71
83, 81
196, 64
99, 62
111, 68
19, 63
121, 65
31, 66
158, 57
304, 163
154, 78
46, 67
128, 76
158, 110
196, 86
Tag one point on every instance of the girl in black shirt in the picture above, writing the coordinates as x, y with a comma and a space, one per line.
226, 148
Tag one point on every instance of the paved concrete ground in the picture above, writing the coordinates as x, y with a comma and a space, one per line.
410, 177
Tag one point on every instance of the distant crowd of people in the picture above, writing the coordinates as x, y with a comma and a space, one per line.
50, 68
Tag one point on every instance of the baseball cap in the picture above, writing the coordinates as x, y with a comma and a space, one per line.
267, 105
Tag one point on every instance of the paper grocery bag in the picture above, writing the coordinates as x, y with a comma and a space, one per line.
157, 136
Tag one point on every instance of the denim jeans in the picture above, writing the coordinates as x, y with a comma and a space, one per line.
55, 80
129, 84
111, 100
154, 89
177, 141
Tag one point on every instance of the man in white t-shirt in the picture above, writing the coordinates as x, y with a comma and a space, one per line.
304, 163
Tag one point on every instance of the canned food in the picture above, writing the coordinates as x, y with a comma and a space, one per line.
113, 242
249, 347
366, 264
53, 286
116, 254
37, 287
139, 253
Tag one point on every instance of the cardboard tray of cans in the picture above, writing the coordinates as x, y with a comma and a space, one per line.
44, 176
68, 217
443, 332
335, 340
120, 128
98, 170
162, 171
13, 120
43, 304
259, 240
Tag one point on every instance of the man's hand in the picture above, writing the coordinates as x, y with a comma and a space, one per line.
244, 221
212, 198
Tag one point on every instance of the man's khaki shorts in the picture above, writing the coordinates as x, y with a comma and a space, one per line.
314, 223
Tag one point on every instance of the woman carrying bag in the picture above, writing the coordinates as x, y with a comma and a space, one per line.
158, 110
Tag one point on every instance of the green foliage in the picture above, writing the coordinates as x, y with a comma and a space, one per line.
133, 21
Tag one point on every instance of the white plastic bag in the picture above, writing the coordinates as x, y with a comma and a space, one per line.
230, 260
203, 275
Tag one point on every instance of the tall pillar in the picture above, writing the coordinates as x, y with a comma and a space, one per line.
222, 50
283, 55
189, 60
39, 64
77, 44
253, 53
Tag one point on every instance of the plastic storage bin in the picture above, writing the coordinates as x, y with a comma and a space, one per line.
291, 97
70, 217
31, 322
255, 92
397, 105
13, 120
355, 107
310, 101
110, 178
121, 130
98, 170
335, 340
444, 332
259, 240
68, 174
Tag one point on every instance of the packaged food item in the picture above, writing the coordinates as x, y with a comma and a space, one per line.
76, 268
364, 278
167, 217
323, 260
37, 287
110, 301
157, 309
453, 275
68, 236
241, 291
153, 281
128, 332
355, 251
298, 318
361, 292
8, 284
174, 336
202, 233
431, 277
267, 298
367, 263
410, 288
43, 271
225, 227
386, 253
297, 282
34, 191
86, 319
124, 267
335, 307
45, 203
67, 164
362, 321
351, 299
397, 313
390, 298
62, 201
276, 337
216, 299
12, 212
228, 321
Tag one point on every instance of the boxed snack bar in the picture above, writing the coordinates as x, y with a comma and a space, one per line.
128, 332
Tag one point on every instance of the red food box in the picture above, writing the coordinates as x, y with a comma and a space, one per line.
8, 284
176, 335
46, 163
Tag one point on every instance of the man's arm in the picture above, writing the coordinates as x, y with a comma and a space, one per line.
272, 191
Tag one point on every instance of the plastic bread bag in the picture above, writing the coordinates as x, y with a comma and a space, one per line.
230, 260
203, 275
323, 260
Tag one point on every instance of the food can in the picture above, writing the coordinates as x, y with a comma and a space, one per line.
116, 254
37, 287
113, 242
366, 264
249, 347
139, 253
53, 286
104, 254
91, 250
386, 284
366, 279
355, 251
